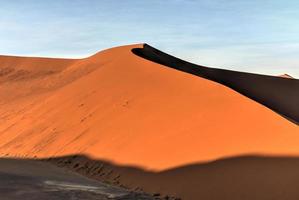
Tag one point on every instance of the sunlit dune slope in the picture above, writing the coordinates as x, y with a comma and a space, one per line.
120, 107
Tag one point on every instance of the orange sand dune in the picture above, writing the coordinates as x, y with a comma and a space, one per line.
119, 107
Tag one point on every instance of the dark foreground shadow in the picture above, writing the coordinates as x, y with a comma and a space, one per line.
238, 178
277, 93
29, 179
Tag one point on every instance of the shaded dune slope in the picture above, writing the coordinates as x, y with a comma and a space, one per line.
280, 95
286, 76
130, 111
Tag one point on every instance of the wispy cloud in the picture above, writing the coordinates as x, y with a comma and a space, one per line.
255, 36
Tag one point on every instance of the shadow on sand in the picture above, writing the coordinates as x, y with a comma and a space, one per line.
30, 179
277, 93
245, 177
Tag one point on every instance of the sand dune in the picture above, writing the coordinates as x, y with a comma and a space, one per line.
120, 107
286, 76
277, 93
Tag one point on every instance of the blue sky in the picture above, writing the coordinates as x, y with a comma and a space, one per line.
259, 36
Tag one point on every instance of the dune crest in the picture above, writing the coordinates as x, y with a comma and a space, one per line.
276, 93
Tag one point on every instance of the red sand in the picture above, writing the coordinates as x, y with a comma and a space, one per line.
119, 107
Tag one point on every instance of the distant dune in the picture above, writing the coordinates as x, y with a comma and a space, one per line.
120, 107
286, 76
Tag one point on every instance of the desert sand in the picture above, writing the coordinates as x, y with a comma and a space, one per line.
157, 128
